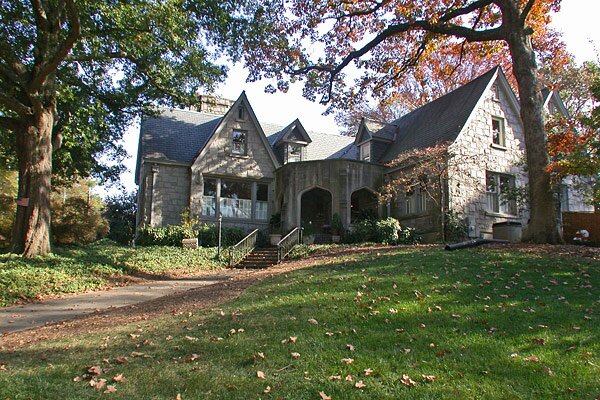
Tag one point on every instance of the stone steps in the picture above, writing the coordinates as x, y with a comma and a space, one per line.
263, 257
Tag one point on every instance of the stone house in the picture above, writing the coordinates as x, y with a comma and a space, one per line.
220, 160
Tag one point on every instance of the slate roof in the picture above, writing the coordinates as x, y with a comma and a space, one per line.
176, 135
438, 121
179, 136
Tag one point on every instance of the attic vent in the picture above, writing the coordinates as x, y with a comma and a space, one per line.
213, 105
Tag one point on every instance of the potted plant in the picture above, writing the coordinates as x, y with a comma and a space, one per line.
189, 231
275, 229
336, 228
308, 233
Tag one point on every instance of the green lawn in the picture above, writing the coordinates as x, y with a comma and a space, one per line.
77, 269
410, 324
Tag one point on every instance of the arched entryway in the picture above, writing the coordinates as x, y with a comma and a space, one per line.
363, 205
315, 209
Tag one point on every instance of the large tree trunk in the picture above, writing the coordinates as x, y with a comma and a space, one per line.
543, 226
31, 232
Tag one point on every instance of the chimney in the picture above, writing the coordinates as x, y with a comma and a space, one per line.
213, 105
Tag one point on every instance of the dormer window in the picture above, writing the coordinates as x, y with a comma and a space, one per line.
365, 152
241, 115
294, 152
239, 145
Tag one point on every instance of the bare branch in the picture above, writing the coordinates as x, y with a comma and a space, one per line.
97, 57
526, 11
479, 4
63, 51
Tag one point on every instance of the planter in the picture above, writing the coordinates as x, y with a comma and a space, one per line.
189, 243
336, 238
308, 239
274, 238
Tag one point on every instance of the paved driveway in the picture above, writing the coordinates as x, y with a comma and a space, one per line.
26, 316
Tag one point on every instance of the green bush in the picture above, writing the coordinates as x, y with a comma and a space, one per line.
386, 231
120, 213
171, 235
77, 221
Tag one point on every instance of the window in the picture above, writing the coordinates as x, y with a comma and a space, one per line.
241, 115
498, 131
365, 152
262, 201
498, 188
236, 199
294, 153
238, 142
495, 92
209, 198
415, 201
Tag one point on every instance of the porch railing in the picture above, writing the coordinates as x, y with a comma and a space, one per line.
287, 243
241, 249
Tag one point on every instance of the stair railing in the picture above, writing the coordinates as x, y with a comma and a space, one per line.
241, 249
287, 243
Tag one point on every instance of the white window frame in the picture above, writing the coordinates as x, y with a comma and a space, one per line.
495, 182
500, 134
365, 152
244, 150
291, 157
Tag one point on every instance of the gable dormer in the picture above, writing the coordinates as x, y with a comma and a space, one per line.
553, 103
291, 143
373, 138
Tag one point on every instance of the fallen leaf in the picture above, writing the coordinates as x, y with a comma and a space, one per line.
586, 354
178, 397
133, 336
98, 384
192, 357
293, 339
121, 360
260, 355
119, 378
547, 371
76, 379
335, 378
429, 378
136, 354
538, 341
368, 371
267, 389
313, 321
349, 378
350, 347
190, 339
514, 355
260, 375
329, 334
407, 381
531, 359
169, 337
324, 396
347, 360
95, 370
110, 389
295, 355
359, 385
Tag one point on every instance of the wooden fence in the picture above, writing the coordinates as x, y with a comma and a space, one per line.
574, 221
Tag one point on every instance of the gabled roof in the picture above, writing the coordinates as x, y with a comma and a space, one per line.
552, 96
440, 120
175, 135
286, 133
373, 129
243, 99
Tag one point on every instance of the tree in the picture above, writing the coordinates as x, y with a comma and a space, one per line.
74, 73
574, 145
386, 39
120, 212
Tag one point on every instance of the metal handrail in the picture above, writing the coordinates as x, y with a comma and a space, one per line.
287, 243
242, 248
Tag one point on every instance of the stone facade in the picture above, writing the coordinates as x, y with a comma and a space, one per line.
476, 154
339, 177
164, 193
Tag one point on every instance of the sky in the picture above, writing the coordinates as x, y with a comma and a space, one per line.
577, 20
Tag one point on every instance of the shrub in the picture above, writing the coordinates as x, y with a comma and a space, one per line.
407, 235
386, 231
120, 213
456, 228
77, 221
209, 235
170, 235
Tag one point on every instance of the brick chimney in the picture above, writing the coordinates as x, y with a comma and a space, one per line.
213, 105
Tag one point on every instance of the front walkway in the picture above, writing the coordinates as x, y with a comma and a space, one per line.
33, 315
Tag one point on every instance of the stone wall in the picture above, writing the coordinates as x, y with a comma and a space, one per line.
475, 154
213, 105
340, 177
164, 193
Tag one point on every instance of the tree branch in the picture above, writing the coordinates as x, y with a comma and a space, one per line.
14, 105
62, 52
97, 57
526, 11
465, 10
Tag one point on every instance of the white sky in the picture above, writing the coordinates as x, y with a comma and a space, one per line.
577, 20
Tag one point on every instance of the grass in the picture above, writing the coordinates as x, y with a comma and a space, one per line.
80, 268
477, 320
